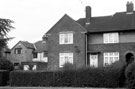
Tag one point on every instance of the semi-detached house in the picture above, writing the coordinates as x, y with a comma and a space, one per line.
92, 41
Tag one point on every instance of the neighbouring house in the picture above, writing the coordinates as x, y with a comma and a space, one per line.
92, 41
22, 52
40, 53
29, 55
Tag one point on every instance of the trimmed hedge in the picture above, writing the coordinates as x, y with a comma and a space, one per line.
4, 77
64, 78
130, 75
108, 77
31, 78
98, 78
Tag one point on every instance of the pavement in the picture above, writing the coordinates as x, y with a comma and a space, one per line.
54, 88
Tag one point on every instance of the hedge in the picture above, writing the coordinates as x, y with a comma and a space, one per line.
4, 77
130, 75
107, 77
31, 78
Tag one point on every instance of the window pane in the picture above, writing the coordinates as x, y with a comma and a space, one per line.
66, 38
70, 37
106, 38
61, 38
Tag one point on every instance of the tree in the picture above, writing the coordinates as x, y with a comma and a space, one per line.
5, 27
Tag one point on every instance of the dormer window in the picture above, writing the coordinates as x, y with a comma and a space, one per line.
111, 38
66, 38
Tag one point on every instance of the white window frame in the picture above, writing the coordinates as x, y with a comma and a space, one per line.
65, 58
110, 57
111, 37
94, 60
66, 38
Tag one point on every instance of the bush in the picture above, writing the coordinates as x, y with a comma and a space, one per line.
108, 77
64, 78
4, 77
68, 66
31, 78
6, 64
119, 68
130, 75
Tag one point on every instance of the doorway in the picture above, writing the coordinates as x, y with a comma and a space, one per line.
129, 58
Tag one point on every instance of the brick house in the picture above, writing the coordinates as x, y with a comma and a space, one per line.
92, 41
21, 52
26, 54
110, 38
40, 53
66, 43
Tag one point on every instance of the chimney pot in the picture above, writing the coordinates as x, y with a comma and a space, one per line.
130, 7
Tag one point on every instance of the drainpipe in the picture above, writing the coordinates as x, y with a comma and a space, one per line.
86, 47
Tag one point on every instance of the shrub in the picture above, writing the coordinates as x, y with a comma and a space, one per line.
68, 66
6, 64
65, 78
130, 75
101, 77
107, 77
31, 78
4, 77
119, 68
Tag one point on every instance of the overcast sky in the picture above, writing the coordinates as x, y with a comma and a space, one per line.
33, 18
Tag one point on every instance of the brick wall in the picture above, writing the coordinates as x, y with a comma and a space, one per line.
54, 48
122, 48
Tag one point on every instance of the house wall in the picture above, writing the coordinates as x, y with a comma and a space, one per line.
126, 44
40, 58
26, 54
54, 48
122, 48
97, 38
127, 37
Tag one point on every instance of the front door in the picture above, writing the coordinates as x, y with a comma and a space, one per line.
93, 60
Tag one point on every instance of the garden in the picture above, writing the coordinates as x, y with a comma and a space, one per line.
116, 75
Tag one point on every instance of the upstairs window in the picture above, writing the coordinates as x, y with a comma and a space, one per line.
111, 37
18, 50
66, 38
35, 55
45, 54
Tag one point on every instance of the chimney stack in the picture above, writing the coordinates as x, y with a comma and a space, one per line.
130, 7
88, 15
44, 38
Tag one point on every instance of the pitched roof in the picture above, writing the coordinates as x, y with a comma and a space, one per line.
118, 22
27, 44
41, 46
67, 20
